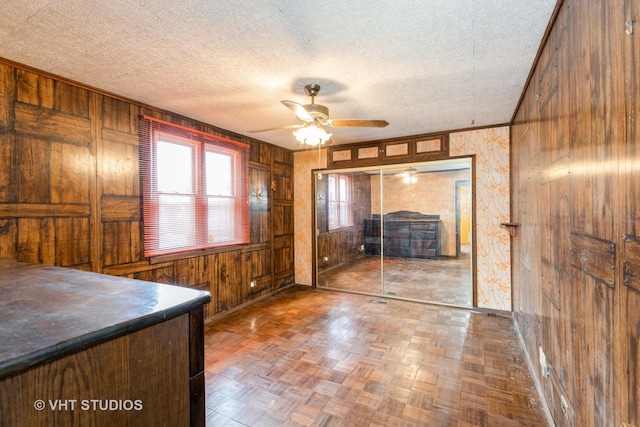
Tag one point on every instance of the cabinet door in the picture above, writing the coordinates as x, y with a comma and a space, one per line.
372, 237
425, 240
397, 238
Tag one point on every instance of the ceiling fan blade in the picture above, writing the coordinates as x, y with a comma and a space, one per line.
407, 172
275, 128
357, 123
298, 110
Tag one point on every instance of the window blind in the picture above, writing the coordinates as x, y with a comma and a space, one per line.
340, 209
194, 189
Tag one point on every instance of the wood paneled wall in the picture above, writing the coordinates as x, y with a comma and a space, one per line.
70, 192
342, 245
576, 192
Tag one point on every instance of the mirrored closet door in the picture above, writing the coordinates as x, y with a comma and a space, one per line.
402, 232
347, 246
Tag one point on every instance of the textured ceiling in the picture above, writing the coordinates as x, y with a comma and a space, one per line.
424, 66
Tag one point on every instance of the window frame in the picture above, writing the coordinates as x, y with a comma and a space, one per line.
153, 131
341, 205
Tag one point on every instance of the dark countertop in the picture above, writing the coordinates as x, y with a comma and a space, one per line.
48, 312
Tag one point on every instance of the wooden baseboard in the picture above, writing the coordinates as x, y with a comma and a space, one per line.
247, 304
534, 376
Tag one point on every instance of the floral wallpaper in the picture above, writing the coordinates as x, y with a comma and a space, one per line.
304, 162
493, 269
493, 248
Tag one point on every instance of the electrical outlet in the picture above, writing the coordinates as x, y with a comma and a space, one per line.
543, 364
564, 406
253, 284
325, 258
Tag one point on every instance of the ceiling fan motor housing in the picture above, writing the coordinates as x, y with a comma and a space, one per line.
317, 111
312, 89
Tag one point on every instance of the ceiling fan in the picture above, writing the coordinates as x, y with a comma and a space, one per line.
409, 176
315, 117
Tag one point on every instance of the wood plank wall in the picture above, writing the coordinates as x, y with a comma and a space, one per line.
343, 245
70, 192
576, 192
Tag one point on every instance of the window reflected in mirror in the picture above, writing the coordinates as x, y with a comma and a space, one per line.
401, 231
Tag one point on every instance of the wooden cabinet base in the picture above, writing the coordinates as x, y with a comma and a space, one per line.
405, 234
138, 379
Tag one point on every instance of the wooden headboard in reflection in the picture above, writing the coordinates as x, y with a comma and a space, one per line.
407, 216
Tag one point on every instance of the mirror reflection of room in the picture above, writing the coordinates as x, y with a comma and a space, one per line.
400, 232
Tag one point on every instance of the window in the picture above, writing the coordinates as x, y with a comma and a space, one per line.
339, 201
194, 189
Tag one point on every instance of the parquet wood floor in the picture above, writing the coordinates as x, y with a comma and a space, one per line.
442, 281
308, 357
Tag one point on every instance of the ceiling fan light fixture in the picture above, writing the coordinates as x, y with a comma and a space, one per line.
312, 135
409, 176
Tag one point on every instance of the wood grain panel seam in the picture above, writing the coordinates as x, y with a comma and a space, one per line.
593, 256
135, 267
95, 189
39, 121
40, 210
631, 268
